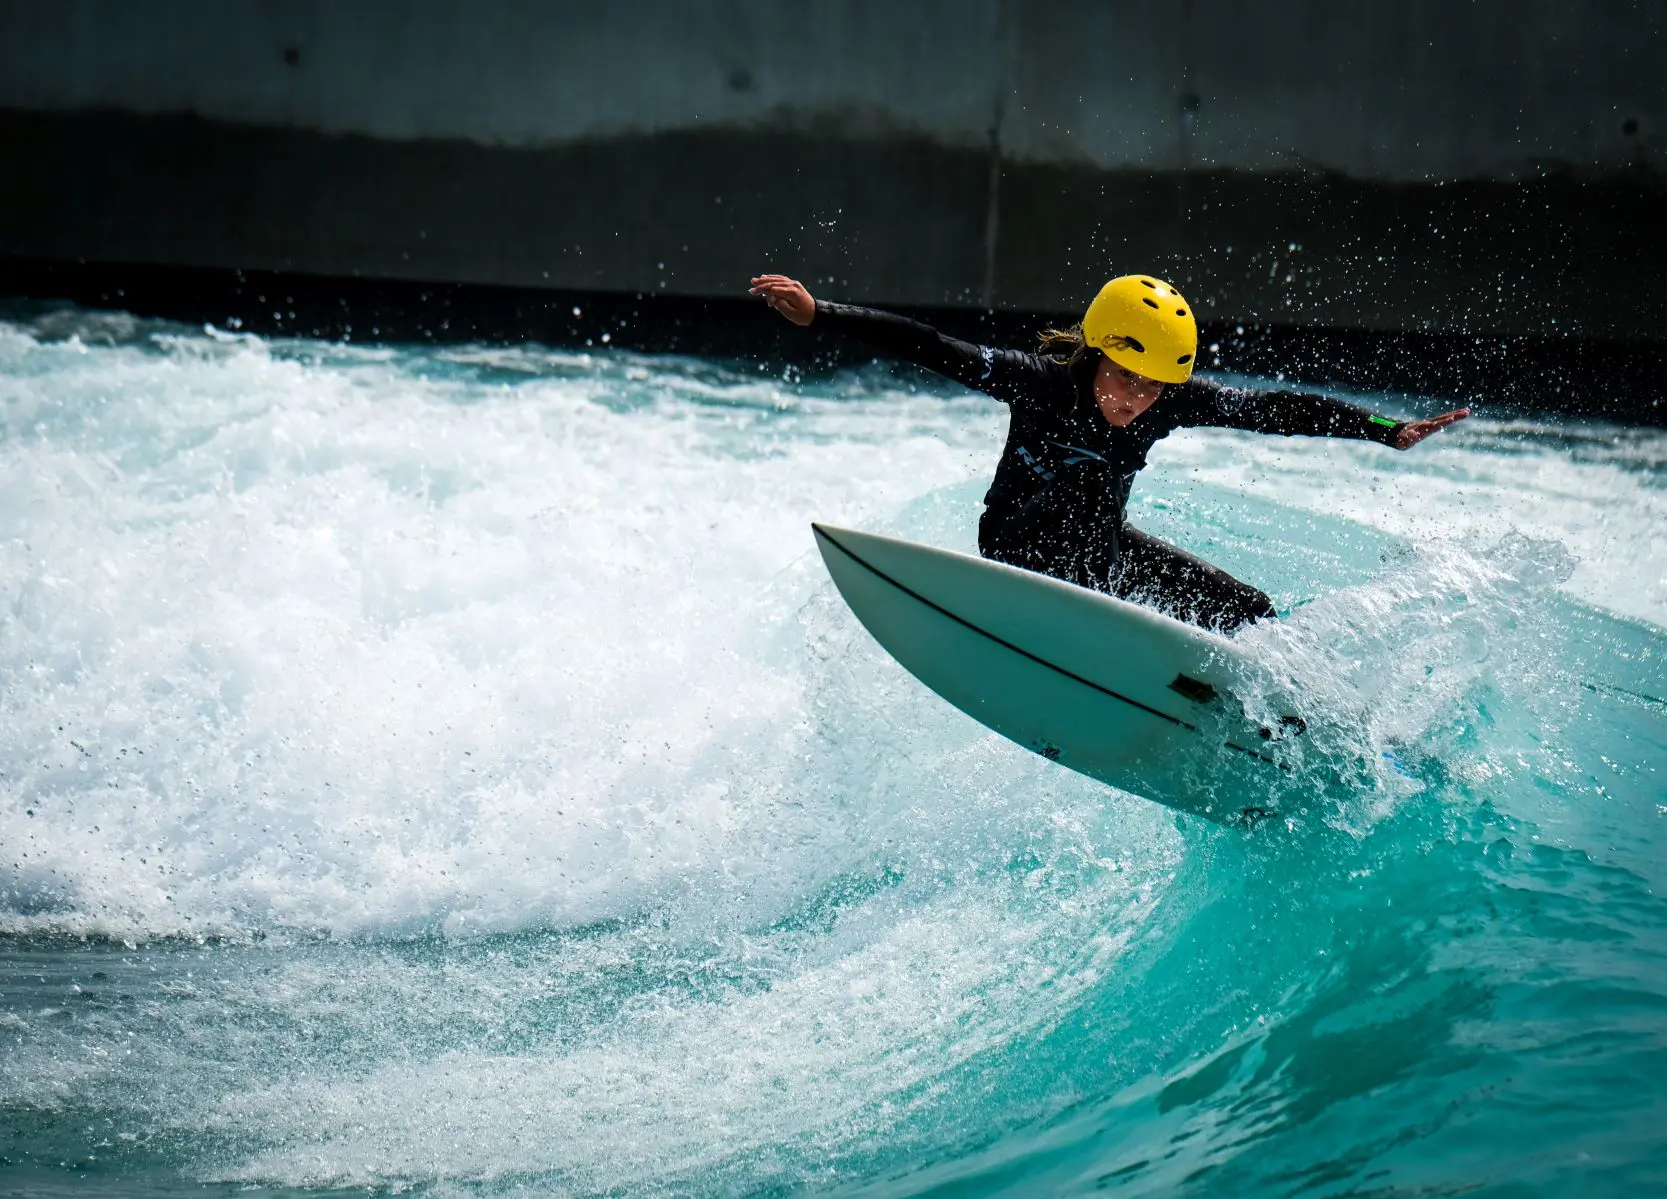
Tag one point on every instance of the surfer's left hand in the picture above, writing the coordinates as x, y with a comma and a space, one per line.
1414, 431
787, 296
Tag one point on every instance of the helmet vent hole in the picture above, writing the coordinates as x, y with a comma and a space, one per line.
1135, 345
1150, 284
1183, 360
1180, 312
1149, 301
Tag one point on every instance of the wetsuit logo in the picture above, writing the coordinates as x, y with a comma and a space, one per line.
1076, 454
1029, 460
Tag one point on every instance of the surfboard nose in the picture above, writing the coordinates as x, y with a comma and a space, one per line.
829, 536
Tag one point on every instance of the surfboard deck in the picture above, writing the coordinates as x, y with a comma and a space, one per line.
1115, 691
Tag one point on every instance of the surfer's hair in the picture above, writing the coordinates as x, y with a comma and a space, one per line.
1067, 345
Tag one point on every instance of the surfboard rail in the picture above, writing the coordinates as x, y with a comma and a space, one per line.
1119, 692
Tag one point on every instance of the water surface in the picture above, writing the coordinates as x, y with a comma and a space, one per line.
450, 771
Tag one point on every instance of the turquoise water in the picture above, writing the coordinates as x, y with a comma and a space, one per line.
450, 772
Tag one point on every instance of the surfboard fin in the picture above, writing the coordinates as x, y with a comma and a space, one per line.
1197, 690
1296, 726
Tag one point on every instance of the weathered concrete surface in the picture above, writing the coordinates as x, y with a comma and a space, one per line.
1414, 90
1486, 168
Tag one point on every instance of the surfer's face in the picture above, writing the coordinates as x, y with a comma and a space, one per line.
1122, 394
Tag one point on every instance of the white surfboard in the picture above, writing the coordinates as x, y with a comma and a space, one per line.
1113, 690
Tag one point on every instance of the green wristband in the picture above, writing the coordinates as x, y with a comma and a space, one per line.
1384, 421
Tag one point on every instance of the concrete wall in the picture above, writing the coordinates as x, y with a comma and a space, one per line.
1475, 167
1405, 91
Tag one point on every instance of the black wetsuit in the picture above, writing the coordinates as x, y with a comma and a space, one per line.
1061, 491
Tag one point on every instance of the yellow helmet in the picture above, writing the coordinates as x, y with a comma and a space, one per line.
1143, 324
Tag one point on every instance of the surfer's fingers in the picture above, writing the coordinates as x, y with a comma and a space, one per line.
780, 291
787, 289
1424, 428
1415, 431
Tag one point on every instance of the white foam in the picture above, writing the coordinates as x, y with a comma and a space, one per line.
362, 644
309, 636
830, 1056
1593, 488
299, 638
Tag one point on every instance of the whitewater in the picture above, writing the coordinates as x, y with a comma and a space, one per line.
449, 771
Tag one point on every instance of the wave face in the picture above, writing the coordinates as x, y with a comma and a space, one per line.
449, 771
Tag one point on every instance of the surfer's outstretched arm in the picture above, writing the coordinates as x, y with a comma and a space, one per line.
1006, 374
1297, 413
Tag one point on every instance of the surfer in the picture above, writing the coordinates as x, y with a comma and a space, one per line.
1086, 410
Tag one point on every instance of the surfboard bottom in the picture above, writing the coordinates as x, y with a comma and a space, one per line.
1120, 693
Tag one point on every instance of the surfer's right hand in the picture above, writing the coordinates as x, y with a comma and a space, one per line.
1414, 431
786, 296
